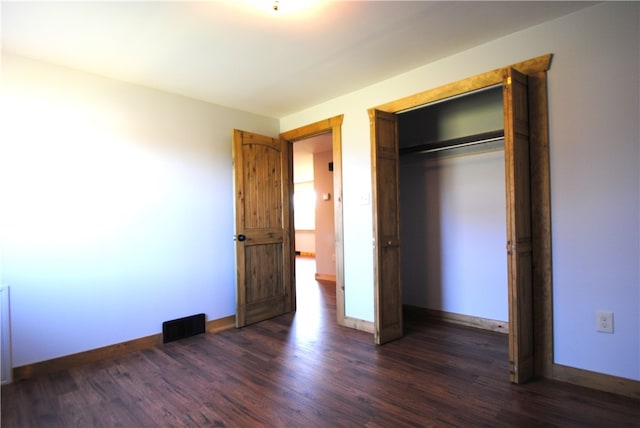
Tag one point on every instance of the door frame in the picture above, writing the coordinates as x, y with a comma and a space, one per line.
535, 69
333, 125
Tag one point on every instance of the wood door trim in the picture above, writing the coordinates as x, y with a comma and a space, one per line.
535, 69
313, 129
470, 84
541, 229
333, 125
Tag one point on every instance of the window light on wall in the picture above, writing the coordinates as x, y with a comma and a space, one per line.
304, 206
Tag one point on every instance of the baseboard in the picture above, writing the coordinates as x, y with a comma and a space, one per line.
325, 277
357, 324
221, 324
111, 351
599, 381
305, 254
466, 320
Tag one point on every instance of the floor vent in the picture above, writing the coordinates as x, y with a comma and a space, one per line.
182, 327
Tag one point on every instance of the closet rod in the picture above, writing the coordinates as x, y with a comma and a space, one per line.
454, 143
472, 143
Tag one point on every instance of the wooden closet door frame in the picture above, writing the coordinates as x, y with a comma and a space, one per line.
535, 69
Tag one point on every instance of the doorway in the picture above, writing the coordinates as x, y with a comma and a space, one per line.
314, 225
326, 137
313, 203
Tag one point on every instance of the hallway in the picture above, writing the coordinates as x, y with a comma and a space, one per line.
316, 302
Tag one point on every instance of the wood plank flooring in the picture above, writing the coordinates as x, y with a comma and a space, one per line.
301, 370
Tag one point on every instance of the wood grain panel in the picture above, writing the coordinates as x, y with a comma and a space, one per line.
386, 219
519, 237
264, 272
264, 244
262, 184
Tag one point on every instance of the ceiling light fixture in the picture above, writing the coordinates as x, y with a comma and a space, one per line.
294, 8
288, 7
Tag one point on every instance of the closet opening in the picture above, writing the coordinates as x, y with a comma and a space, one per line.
453, 210
528, 245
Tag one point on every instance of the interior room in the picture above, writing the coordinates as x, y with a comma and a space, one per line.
119, 203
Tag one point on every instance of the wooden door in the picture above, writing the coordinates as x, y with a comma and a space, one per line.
519, 243
264, 251
387, 289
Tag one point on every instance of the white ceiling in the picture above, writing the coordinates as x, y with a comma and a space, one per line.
233, 53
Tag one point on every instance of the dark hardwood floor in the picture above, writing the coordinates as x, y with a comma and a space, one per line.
303, 371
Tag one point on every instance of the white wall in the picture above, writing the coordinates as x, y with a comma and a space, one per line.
595, 147
325, 217
306, 241
453, 232
304, 213
117, 208
595, 174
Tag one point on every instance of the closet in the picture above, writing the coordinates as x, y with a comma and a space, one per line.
528, 221
453, 209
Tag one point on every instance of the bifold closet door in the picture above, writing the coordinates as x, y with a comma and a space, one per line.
519, 243
386, 200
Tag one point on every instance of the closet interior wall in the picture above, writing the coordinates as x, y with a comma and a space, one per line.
453, 207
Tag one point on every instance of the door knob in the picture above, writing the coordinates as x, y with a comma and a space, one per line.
241, 237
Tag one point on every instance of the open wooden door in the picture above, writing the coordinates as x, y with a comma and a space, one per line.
264, 252
519, 243
386, 221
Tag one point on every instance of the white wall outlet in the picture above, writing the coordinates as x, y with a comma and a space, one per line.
604, 320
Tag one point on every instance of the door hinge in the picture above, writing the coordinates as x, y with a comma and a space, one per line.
511, 247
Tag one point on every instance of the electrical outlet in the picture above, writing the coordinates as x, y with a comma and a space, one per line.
604, 320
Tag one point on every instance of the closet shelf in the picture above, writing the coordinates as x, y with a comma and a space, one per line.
468, 140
